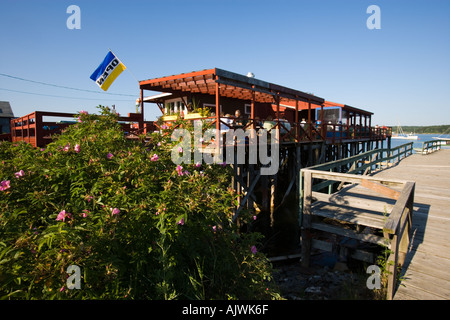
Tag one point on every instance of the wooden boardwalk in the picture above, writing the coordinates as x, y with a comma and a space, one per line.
426, 271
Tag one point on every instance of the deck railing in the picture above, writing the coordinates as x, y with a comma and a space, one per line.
396, 230
32, 128
300, 131
433, 146
364, 163
339, 132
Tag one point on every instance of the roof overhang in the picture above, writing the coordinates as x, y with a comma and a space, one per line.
231, 85
157, 97
357, 110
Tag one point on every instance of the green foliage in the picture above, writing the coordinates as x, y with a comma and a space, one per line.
439, 129
136, 227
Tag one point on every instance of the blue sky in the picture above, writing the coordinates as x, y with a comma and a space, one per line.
400, 72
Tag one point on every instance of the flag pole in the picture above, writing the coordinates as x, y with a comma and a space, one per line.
125, 66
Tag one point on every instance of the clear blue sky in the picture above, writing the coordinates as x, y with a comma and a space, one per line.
400, 72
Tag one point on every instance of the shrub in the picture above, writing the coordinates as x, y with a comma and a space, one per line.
138, 226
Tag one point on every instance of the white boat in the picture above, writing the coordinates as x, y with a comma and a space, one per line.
446, 139
404, 136
401, 135
440, 138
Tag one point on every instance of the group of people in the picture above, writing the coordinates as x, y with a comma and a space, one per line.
228, 122
238, 121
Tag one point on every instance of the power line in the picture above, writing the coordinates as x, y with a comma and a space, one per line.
55, 96
63, 87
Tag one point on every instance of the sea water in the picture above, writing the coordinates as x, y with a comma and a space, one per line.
419, 142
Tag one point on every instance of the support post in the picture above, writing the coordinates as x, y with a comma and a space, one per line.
324, 132
217, 111
297, 133
252, 116
306, 223
142, 103
309, 119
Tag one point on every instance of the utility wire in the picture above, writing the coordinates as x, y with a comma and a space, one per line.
55, 96
64, 87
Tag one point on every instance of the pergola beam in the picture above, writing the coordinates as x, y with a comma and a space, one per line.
243, 87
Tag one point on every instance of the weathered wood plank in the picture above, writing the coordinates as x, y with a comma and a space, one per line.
351, 178
349, 214
379, 188
435, 285
416, 293
341, 198
399, 208
349, 233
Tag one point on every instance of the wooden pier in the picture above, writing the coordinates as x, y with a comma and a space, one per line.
426, 270
404, 208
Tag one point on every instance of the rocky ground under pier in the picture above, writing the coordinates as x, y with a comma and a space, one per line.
326, 279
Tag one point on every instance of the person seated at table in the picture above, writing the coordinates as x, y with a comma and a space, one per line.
258, 123
226, 122
238, 121
268, 123
285, 126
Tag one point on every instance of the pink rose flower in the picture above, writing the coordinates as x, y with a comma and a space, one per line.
4, 185
62, 216
19, 174
179, 170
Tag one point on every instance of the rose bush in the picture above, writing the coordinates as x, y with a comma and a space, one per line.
137, 225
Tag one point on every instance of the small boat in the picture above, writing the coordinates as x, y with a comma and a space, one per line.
440, 138
401, 135
447, 139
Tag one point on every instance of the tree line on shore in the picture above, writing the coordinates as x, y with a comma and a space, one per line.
441, 129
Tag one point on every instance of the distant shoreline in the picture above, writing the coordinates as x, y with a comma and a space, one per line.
436, 129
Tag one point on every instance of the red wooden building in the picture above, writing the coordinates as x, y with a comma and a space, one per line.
301, 116
38, 128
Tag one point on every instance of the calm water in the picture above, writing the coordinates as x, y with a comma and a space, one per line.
418, 143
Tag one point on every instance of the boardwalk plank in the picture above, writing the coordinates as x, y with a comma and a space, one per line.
427, 265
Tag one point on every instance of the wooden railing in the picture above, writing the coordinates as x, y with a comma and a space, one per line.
32, 129
364, 163
339, 132
302, 132
433, 146
397, 226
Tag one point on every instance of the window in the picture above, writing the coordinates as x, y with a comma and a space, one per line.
248, 109
174, 107
1, 111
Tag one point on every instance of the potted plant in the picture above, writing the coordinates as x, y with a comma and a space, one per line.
169, 115
197, 112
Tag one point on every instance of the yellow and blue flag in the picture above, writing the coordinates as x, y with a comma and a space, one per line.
108, 71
